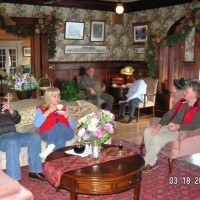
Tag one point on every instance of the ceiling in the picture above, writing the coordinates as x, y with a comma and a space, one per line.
105, 5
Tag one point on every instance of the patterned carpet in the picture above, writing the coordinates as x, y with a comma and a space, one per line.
155, 185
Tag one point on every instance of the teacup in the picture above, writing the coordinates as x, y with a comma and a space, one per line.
59, 106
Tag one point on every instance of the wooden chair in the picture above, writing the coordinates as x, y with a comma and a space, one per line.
186, 144
150, 96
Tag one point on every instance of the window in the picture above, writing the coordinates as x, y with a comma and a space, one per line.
8, 59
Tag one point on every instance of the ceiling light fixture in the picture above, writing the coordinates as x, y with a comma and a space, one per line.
119, 7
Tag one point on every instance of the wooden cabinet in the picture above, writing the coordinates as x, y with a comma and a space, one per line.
162, 104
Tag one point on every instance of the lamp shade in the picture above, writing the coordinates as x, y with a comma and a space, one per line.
128, 70
119, 8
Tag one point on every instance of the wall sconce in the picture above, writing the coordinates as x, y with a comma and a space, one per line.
128, 71
119, 7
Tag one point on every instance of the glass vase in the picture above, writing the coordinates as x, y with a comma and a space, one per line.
96, 146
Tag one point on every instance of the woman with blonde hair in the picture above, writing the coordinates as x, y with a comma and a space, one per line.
55, 126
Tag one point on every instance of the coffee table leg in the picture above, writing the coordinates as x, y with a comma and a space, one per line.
136, 191
73, 196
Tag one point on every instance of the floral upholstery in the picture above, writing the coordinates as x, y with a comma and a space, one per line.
27, 109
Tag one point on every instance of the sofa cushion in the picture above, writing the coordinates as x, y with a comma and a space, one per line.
27, 108
8, 186
11, 189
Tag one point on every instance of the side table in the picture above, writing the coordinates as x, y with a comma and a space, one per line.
117, 92
104, 178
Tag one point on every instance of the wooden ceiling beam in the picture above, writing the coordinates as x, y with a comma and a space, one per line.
101, 5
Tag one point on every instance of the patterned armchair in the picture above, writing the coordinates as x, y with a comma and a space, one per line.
186, 144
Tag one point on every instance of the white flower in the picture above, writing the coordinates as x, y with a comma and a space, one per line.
92, 127
81, 132
94, 121
98, 125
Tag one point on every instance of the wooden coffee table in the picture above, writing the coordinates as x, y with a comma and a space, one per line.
105, 178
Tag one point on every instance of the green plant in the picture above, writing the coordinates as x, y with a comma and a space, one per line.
156, 39
47, 24
70, 91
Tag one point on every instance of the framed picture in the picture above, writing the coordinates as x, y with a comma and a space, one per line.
139, 50
139, 32
85, 49
26, 51
97, 32
74, 30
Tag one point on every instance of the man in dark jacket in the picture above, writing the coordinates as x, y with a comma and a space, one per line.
94, 90
11, 143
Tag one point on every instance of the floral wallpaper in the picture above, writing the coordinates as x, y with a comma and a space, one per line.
118, 38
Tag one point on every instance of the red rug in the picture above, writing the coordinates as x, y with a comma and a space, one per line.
155, 185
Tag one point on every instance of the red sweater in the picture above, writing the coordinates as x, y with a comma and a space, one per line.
52, 119
189, 114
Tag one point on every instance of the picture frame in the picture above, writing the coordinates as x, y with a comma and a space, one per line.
81, 49
26, 51
139, 50
97, 31
139, 32
74, 30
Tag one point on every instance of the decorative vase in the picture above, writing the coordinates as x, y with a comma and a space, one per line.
96, 147
79, 146
24, 95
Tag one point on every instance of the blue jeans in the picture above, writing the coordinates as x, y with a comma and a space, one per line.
132, 105
96, 100
58, 135
11, 143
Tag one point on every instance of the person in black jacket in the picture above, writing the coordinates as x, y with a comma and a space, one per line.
11, 142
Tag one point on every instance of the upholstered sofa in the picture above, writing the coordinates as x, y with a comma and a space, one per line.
12, 190
27, 109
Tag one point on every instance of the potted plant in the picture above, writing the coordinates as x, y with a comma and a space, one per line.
70, 91
23, 84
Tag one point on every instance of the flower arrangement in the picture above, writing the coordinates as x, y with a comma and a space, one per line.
23, 82
96, 126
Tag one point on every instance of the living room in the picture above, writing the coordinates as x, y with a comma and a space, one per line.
119, 48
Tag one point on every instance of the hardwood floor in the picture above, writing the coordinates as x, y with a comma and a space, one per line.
134, 131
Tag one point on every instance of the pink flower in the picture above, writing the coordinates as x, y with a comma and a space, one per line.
99, 133
109, 127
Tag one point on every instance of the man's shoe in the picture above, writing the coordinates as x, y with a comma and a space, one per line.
130, 120
150, 168
119, 118
37, 177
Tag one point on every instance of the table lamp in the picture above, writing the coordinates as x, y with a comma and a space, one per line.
128, 71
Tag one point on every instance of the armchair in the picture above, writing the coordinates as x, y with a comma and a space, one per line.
150, 96
186, 144
78, 79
